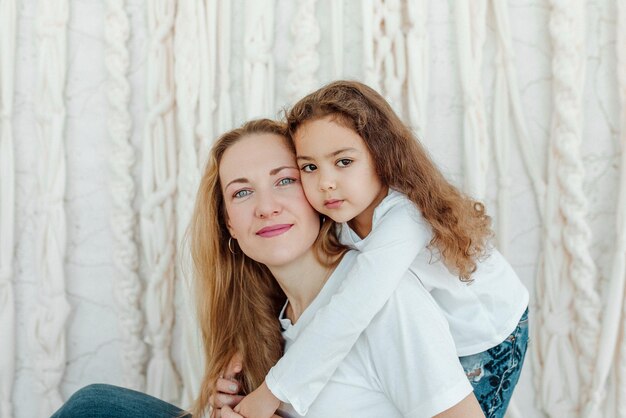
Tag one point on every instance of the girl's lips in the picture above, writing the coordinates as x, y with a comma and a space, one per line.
333, 203
273, 230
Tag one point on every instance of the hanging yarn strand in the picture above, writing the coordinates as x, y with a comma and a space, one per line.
128, 288
384, 50
336, 14
501, 150
158, 224
52, 308
418, 58
191, 65
505, 44
618, 273
470, 29
207, 22
8, 24
258, 64
303, 57
224, 110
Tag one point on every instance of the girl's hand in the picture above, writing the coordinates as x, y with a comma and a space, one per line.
227, 387
259, 404
227, 412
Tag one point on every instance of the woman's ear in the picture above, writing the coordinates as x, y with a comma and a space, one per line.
230, 229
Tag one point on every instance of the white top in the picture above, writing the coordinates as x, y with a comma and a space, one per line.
403, 365
480, 315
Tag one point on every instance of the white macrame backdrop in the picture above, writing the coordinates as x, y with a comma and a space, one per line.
258, 64
303, 57
470, 29
158, 224
578, 348
128, 287
7, 204
51, 307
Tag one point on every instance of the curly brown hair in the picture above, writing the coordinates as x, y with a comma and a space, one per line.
461, 227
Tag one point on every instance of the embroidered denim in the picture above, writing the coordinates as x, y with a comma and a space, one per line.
495, 372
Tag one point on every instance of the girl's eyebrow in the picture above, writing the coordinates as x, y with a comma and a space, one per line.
329, 155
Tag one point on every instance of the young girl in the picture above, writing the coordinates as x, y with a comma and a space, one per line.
363, 168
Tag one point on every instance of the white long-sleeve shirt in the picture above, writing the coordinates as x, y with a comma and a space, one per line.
480, 315
402, 365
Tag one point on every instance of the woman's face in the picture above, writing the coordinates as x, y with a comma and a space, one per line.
267, 211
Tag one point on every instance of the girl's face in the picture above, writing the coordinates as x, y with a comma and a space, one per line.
338, 173
268, 213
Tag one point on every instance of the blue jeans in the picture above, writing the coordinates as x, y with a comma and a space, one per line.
107, 401
495, 372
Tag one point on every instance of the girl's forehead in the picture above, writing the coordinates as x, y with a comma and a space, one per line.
326, 132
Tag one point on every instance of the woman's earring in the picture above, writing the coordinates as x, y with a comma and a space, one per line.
230, 244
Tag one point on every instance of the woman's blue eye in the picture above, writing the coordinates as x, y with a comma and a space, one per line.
344, 162
285, 181
241, 193
309, 168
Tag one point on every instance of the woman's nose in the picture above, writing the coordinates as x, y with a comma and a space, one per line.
267, 207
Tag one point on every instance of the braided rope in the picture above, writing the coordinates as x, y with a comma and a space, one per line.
52, 308
569, 271
157, 211
470, 22
417, 52
191, 66
258, 63
336, 14
128, 288
567, 31
303, 57
8, 23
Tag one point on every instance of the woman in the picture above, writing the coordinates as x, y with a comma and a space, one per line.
255, 239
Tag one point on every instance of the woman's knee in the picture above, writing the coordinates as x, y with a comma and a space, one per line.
87, 401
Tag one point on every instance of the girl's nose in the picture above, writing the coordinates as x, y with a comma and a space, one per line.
327, 184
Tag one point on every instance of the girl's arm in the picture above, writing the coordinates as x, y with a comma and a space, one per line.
467, 408
399, 233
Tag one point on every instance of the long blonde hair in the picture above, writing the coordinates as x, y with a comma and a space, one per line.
237, 298
461, 227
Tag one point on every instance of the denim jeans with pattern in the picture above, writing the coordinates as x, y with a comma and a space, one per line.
495, 372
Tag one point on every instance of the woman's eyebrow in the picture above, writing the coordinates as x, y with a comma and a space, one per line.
275, 171
239, 180
329, 155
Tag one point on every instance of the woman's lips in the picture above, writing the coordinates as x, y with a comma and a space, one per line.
273, 230
333, 203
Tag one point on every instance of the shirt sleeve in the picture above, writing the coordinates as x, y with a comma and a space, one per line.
413, 354
385, 255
